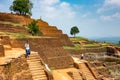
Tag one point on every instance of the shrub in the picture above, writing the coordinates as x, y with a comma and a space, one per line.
33, 28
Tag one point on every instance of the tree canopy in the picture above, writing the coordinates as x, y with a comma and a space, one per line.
74, 30
22, 7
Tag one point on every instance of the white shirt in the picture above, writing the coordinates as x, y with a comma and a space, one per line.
27, 46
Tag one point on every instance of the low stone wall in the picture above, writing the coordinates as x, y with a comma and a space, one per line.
93, 50
17, 69
5, 40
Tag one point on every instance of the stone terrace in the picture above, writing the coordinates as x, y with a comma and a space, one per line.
45, 28
49, 49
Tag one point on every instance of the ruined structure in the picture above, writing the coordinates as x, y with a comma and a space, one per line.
47, 49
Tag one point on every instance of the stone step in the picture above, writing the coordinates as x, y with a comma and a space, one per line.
35, 64
37, 71
34, 55
34, 60
76, 76
36, 67
86, 72
40, 77
40, 73
40, 68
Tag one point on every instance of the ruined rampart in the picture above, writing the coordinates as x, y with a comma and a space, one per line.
49, 49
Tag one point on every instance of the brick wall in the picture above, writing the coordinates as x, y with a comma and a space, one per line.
49, 49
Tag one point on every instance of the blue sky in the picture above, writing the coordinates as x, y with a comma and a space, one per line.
94, 18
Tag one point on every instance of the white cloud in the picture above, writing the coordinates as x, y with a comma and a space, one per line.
112, 3
113, 17
53, 9
109, 5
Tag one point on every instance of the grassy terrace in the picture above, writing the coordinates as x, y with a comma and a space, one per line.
11, 23
19, 35
84, 46
78, 39
76, 47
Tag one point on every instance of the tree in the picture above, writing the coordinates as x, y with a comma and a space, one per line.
74, 30
22, 7
33, 28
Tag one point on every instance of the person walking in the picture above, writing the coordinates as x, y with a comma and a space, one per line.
27, 49
82, 56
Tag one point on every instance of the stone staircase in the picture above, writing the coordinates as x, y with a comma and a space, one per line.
36, 67
86, 72
77, 76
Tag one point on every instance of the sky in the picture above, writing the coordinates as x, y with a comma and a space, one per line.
94, 18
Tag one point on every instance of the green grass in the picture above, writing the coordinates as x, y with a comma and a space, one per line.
90, 45
76, 47
17, 35
78, 39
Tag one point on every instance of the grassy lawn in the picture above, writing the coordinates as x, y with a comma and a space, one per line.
76, 47
78, 39
90, 45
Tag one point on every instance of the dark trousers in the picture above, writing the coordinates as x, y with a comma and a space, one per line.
27, 52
